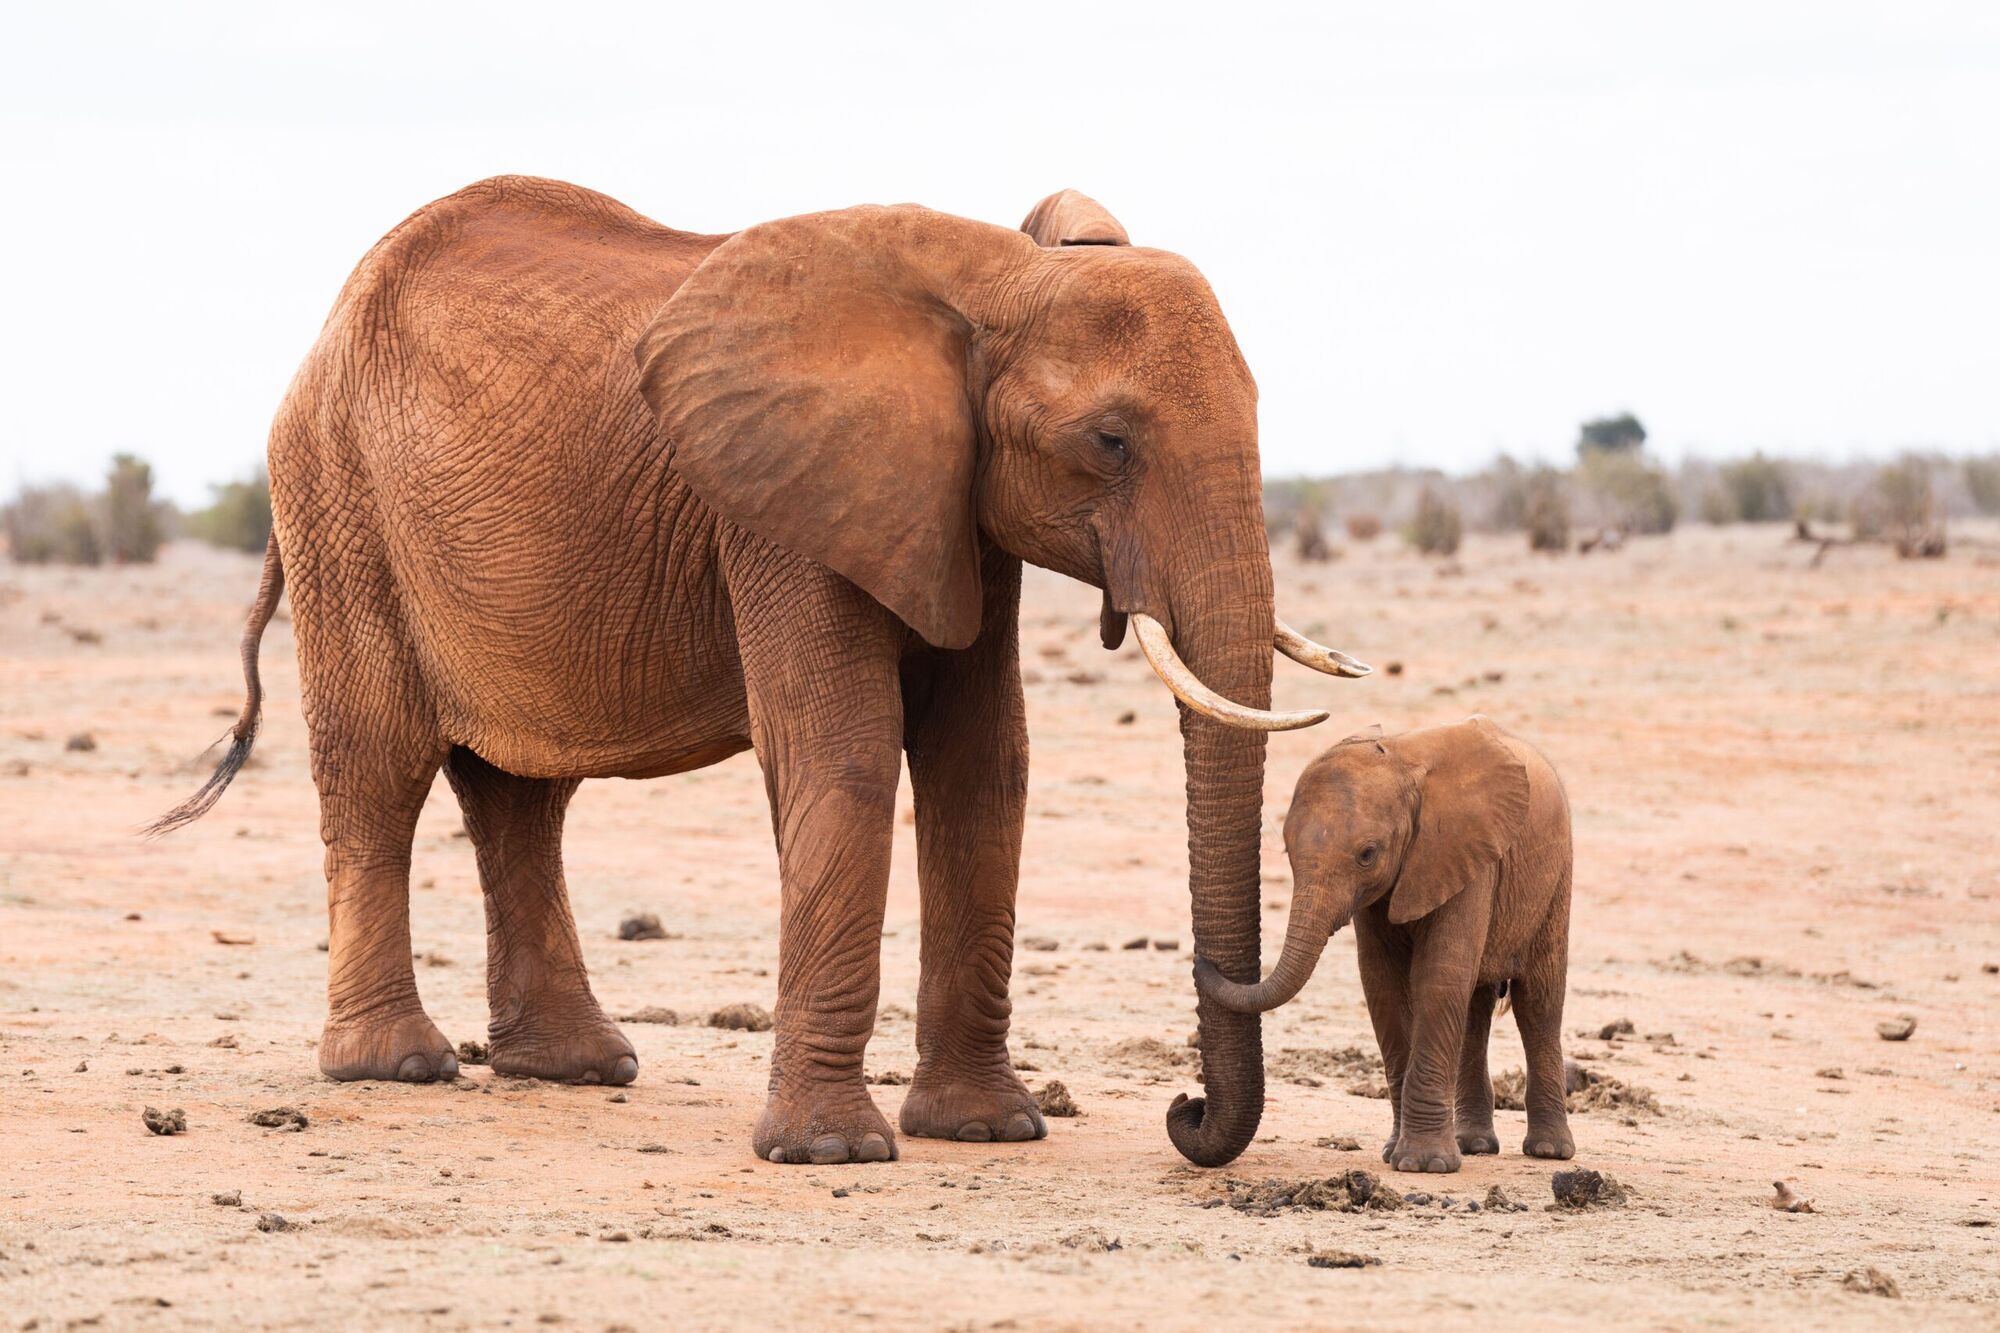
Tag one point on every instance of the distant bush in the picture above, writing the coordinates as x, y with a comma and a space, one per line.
1437, 527
1756, 490
238, 518
1364, 527
1508, 486
1545, 511
1311, 537
1901, 508
1636, 496
131, 518
52, 525
1982, 483
1621, 434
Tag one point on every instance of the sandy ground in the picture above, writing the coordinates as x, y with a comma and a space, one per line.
1787, 827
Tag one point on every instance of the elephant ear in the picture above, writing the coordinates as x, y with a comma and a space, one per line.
812, 377
1472, 807
1069, 217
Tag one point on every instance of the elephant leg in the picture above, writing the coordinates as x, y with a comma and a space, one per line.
544, 1021
1538, 1009
1476, 1135
820, 663
1384, 961
967, 739
1444, 965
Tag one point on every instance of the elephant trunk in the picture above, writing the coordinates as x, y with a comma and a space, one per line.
1223, 627
1306, 934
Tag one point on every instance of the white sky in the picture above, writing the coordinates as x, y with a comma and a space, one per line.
1440, 230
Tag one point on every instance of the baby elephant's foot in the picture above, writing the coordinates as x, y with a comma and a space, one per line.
403, 1047
1549, 1140
589, 1049
995, 1108
1417, 1153
1478, 1141
823, 1126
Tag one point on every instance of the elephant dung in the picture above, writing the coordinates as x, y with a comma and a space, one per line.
641, 926
474, 1053
288, 1118
1341, 1259
165, 1122
1054, 1100
741, 1017
1583, 1188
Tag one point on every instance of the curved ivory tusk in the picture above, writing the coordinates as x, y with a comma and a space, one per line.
1317, 655
1187, 687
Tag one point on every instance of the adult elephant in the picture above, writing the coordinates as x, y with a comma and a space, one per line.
561, 493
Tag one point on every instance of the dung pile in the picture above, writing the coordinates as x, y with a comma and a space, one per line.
1348, 1192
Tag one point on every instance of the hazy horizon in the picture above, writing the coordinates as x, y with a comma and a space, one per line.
1440, 233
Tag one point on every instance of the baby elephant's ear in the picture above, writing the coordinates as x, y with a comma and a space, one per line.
1070, 217
1472, 807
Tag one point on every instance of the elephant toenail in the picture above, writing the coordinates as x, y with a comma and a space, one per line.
778, 1156
414, 1069
1019, 1127
589, 1076
828, 1149
625, 1070
974, 1132
874, 1148
448, 1067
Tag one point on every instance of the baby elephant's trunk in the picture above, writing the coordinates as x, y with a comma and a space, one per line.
1305, 937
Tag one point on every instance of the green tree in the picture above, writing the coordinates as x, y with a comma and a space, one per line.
239, 517
132, 527
1759, 489
1621, 434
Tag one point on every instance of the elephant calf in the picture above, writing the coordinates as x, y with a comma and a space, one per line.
1449, 849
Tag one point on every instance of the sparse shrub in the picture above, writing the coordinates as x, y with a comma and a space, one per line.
1638, 496
1364, 527
238, 518
1902, 509
1437, 527
132, 531
1545, 511
1982, 483
1621, 434
1758, 490
1717, 506
52, 524
1311, 537
1509, 487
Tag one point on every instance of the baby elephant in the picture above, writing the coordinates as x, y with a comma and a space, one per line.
1449, 849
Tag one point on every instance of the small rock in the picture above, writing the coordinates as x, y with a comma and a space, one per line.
1587, 1189
1139, 943
642, 926
1895, 1029
82, 1067
231, 937
1829, 1072
165, 1122
474, 1053
1394, 668
1499, 1201
288, 1118
275, 1222
1872, 1281
1621, 1028
230, 1199
1339, 1143
1127, 718
227, 1041
1575, 1079
1166, 945
1039, 943
1054, 1099
1788, 1202
741, 1017
82, 743
651, 1013
617, 1097
1341, 1259
841, 1192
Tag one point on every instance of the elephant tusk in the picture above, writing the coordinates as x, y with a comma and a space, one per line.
1317, 655
1187, 687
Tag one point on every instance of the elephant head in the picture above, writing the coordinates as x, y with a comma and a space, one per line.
1417, 818
884, 390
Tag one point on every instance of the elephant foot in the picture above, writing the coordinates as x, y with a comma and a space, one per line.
404, 1047
589, 1049
1437, 1153
1549, 1140
823, 1127
996, 1108
1479, 1142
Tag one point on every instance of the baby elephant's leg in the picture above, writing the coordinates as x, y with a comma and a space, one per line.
1538, 1008
1476, 1135
1385, 975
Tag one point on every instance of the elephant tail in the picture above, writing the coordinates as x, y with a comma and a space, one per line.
244, 733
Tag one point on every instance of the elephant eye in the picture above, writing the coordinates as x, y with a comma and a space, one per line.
1368, 856
1113, 443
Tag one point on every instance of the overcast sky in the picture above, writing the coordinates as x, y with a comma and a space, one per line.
1440, 230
